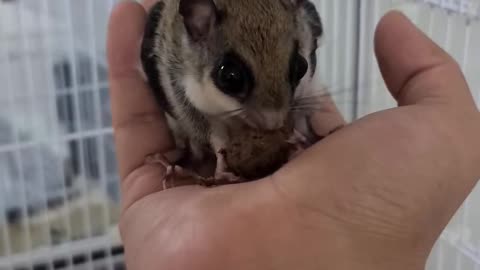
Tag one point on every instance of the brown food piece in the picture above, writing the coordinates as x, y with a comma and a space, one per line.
254, 154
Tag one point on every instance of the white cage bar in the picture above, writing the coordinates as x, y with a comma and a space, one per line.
55, 106
58, 183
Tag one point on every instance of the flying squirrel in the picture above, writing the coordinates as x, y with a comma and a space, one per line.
231, 76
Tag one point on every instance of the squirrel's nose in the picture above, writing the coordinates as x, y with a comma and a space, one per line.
272, 120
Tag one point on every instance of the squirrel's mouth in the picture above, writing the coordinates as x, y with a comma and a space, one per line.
268, 120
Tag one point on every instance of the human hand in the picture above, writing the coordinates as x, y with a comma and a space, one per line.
375, 195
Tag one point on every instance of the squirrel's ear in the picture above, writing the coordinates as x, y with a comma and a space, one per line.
294, 3
200, 17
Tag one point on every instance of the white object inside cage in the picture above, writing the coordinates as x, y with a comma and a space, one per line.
58, 182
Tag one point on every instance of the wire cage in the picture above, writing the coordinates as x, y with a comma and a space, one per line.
59, 194
58, 182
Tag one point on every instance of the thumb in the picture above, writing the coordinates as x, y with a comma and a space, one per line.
417, 74
398, 165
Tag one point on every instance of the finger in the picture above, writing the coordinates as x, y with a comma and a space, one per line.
148, 4
140, 127
396, 166
328, 119
414, 73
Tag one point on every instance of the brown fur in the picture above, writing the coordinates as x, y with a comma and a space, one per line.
263, 33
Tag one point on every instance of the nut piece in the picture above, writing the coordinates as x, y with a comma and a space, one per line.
254, 154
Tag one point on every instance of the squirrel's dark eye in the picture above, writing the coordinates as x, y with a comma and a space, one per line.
232, 77
299, 68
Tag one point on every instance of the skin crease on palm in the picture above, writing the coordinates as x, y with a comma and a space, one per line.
374, 195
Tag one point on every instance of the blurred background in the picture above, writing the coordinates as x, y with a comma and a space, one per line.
59, 196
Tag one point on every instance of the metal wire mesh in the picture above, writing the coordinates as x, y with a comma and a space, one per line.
58, 181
